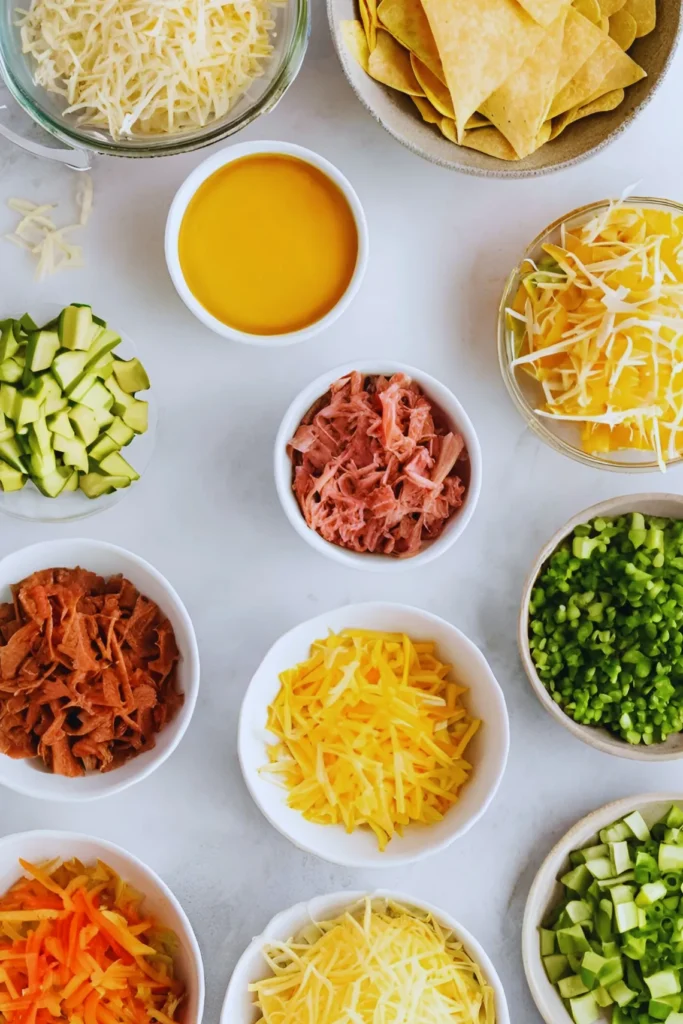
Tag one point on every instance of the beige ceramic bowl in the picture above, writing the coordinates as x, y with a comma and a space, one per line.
546, 891
398, 115
670, 505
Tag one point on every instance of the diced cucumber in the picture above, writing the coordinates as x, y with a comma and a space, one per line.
41, 350
11, 371
75, 327
116, 465
11, 479
84, 423
94, 485
120, 432
131, 375
104, 446
61, 424
68, 367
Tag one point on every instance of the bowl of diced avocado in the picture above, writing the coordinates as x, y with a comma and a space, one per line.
74, 432
602, 937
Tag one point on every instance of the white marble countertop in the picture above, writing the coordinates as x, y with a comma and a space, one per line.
207, 516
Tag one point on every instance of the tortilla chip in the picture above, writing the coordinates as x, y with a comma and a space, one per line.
389, 63
610, 101
608, 68
481, 45
407, 22
623, 28
590, 9
428, 112
477, 121
645, 13
436, 92
604, 24
520, 106
581, 39
610, 7
368, 16
491, 142
545, 12
356, 42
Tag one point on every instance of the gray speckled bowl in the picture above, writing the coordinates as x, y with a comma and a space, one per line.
397, 114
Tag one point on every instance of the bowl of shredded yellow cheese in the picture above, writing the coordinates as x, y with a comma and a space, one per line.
373, 735
361, 957
140, 78
590, 335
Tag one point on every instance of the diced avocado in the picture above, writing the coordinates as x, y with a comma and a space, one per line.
68, 367
635, 945
619, 854
27, 410
602, 997
94, 485
104, 342
23, 442
54, 483
104, 446
75, 327
6, 428
72, 483
610, 883
601, 867
8, 342
84, 422
8, 400
591, 964
579, 911
121, 398
103, 367
572, 940
119, 432
574, 962
584, 1010
603, 920
663, 983
11, 453
27, 324
556, 967
621, 993
670, 858
571, 986
74, 453
673, 1018
611, 972
547, 936
39, 437
41, 350
659, 1010
43, 465
626, 916
80, 387
96, 397
116, 465
61, 424
622, 894
615, 833
136, 416
11, 479
103, 417
131, 375
674, 818
54, 401
636, 823
590, 853
11, 371
650, 893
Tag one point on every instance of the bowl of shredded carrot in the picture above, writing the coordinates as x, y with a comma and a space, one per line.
373, 735
89, 934
99, 669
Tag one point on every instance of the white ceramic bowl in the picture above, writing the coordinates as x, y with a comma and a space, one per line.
546, 891
668, 505
488, 750
238, 1007
186, 192
159, 900
28, 776
456, 415
29, 503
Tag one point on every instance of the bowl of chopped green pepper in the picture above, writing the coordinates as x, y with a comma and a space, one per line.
602, 937
601, 626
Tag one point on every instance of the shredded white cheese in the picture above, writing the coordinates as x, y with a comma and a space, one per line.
147, 67
38, 234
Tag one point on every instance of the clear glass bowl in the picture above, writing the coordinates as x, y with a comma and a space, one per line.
527, 393
30, 504
290, 38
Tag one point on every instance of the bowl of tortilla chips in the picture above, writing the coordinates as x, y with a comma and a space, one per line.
502, 88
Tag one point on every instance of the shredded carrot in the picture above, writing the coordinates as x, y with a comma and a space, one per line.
75, 946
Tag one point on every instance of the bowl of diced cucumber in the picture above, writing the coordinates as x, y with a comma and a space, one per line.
602, 937
75, 433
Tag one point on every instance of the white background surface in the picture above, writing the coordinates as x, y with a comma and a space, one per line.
206, 513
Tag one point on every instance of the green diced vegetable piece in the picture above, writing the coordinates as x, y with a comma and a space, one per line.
650, 893
572, 940
80, 387
601, 867
43, 464
68, 367
41, 350
659, 1010
11, 371
116, 465
96, 397
102, 344
610, 883
103, 368
84, 423
663, 983
611, 972
578, 880
8, 401
121, 398
11, 454
75, 327
603, 920
61, 424
72, 482
40, 439
103, 417
670, 858
674, 818
602, 997
574, 962
74, 453
556, 967
131, 375
571, 986
591, 964
27, 324
635, 946
577, 911
104, 446
53, 484
590, 853
136, 416
626, 916
621, 993
675, 1018
636, 823
11, 479
622, 894
27, 410
615, 833
584, 1010
8, 342
620, 856
94, 485
547, 936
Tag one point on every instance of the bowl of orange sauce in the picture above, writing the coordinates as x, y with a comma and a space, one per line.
266, 243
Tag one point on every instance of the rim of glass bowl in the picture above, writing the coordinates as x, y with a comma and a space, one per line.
182, 142
506, 340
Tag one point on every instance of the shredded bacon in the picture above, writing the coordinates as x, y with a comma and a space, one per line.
377, 468
87, 671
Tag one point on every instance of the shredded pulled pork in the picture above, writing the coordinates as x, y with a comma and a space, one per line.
376, 467
87, 671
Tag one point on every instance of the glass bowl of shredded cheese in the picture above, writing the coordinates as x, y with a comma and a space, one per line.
147, 79
590, 335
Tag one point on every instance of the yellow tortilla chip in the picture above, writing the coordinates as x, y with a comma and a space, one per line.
520, 106
590, 9
368, 16
645, 13
436, 92
581, 39
356, 42
407, 22
624, 73
481, 44
389, 63
604, 23
610, 101
610, 7
428, 112
623, 28
545, 12
608, 68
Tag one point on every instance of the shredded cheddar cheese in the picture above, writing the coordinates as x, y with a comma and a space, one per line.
371, 732
379, 961
600, 325
38, 234
147, 67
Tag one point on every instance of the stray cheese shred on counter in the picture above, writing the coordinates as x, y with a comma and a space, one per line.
38, 234
144, 67
379, 961
371, 732
600, 326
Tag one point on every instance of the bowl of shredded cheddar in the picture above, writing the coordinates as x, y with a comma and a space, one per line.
373, 735
590, 338
364, 957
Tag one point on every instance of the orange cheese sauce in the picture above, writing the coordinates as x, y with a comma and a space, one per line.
268, 244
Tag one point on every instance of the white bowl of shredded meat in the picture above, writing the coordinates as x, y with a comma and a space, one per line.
378, 466
99, 670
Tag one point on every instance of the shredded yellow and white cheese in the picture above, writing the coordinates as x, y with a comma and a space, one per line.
147, 67
38, 234
379, 961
